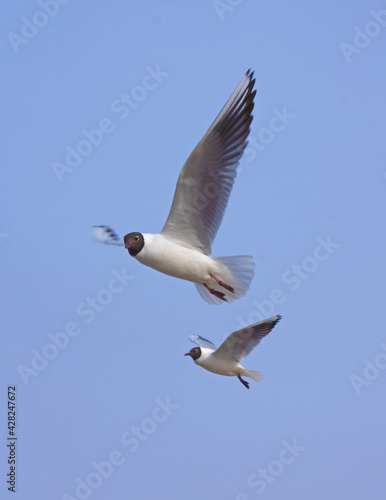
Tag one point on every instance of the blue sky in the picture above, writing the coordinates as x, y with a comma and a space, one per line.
107, 405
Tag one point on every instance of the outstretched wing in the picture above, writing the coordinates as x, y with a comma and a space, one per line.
104, 234
206, 180
201, 342
240, 343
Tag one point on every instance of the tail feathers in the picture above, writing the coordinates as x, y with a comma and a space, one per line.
236, 271
242, 269
258, 376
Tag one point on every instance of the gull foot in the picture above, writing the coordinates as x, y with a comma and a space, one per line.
216, 293
244, 382
224, 285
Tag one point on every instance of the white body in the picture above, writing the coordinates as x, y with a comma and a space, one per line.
169, 257
188, 263
227, 367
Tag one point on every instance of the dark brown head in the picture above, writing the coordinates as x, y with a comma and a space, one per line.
195, 353
134, 243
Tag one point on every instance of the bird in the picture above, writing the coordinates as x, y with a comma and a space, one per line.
226, 359
182, 249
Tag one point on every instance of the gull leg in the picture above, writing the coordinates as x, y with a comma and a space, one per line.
244, 382
216, 293
221, 283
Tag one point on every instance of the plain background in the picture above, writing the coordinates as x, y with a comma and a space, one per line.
322, 176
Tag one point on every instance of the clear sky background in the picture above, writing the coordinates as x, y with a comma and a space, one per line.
118, 412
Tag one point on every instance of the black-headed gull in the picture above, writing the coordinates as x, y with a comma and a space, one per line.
182, 249
226, 359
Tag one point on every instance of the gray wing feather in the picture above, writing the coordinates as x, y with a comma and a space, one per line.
206, 180
201, 342
240, 343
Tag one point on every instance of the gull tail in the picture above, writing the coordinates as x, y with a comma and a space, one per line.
237, 272
258, 376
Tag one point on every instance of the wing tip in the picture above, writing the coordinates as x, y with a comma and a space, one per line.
250, 73
274, 320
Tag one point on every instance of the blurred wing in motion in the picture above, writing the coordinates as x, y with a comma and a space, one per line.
201, 342
104, 234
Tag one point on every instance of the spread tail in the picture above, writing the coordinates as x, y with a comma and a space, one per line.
237, 272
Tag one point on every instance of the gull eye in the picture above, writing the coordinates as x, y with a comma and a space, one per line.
136, 238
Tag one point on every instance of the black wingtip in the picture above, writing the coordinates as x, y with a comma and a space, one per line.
251, 75
276, 321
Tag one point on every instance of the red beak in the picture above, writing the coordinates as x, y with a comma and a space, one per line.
187, 354
128, 245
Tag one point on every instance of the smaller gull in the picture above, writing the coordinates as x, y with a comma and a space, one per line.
226, 359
